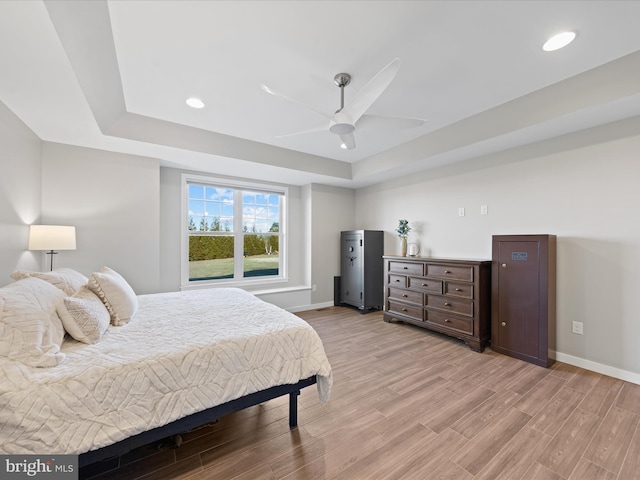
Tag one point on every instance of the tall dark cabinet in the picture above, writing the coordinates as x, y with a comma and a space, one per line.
361, 272
523, 297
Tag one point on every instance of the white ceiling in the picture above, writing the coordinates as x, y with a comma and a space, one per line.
115, 75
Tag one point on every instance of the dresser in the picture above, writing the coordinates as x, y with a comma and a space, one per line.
446, 295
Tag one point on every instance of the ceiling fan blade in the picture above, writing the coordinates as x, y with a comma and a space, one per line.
322, 128
348, 140
376, 122
371, 91
275, 93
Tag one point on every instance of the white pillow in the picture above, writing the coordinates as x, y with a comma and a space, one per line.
84, 316
66, 279
30, 330
116, 294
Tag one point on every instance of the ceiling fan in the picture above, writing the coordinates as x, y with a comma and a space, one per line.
347, 118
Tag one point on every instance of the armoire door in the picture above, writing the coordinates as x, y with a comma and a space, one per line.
518, 298
523, 297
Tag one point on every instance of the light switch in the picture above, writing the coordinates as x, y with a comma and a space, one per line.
461, 212
483, 210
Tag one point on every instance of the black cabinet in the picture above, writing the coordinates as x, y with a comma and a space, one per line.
523, 297
361, 269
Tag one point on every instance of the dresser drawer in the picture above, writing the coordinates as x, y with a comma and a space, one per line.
406, 295
460, 324
455, 305
399, 281
425, 284
464, 290
448, 271
407, 268
413, 311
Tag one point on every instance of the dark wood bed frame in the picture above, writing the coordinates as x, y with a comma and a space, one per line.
198, 419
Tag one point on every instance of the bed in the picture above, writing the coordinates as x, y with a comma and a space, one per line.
163, 364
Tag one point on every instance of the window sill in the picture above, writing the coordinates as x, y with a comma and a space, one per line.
262, 289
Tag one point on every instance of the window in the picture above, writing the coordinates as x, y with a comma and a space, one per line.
233, 231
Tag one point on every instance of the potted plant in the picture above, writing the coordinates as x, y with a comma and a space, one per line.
403, 231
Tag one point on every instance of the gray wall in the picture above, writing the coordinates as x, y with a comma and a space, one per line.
170, 241
113, 200
332, 211
582, 188
20, 194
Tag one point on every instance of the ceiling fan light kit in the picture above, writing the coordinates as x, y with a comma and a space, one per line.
344, 121
341, 128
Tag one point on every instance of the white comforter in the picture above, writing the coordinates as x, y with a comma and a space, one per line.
182, 353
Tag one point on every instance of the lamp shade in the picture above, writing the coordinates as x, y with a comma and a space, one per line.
52, 237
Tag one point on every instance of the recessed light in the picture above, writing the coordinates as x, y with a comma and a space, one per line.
558, 41
194, 102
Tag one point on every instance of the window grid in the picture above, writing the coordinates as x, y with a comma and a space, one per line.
233, 234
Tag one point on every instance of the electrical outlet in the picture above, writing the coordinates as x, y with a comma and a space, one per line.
461, 212
313, 288
577, 328
483, 210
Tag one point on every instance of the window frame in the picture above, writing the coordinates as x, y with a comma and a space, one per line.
238, 186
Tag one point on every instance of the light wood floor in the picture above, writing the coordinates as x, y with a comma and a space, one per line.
411, 404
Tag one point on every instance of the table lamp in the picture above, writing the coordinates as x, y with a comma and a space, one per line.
52, 238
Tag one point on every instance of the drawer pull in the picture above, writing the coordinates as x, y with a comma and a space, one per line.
446, 320
405, 295
405, 268
404, 309
397, 280
458, 289
425, 284
447, 304
447, 271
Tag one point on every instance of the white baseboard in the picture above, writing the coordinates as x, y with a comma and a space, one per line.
599, 368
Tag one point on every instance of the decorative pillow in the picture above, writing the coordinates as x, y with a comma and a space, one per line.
66, 279
84, 316
30, 330
116, 294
